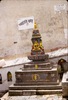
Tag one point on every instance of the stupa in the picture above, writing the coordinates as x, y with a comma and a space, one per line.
39, 76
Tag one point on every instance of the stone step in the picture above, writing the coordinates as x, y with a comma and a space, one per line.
46, 92
35, 83
41, 87
33, 92
38, 66
28, 71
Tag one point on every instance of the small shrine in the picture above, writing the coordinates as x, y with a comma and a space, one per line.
39, 76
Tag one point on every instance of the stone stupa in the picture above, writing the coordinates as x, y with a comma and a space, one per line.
39, 76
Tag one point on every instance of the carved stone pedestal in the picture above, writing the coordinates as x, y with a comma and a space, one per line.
39, 77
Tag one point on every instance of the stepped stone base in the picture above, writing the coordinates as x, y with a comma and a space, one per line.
34, 90
36, 82
37, 78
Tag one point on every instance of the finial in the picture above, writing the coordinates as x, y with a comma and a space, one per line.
35, 25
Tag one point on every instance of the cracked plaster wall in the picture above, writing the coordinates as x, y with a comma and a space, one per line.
51, 25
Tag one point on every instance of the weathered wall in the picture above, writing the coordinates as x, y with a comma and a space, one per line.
50, 23
4, 71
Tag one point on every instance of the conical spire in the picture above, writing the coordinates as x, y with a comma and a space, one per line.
37, 51
37, 47
35, 25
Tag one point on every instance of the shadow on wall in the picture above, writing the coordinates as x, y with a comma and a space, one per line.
0, 79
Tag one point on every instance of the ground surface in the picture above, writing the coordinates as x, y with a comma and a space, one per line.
44, 97
34, 97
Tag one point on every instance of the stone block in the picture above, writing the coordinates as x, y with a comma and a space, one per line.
38, 57
65, 84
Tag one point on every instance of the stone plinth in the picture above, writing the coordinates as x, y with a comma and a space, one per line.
37, 77
38, 57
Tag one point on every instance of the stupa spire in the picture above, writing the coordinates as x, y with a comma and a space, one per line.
35, 25
37, 48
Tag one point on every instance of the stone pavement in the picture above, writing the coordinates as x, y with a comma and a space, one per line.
35, 97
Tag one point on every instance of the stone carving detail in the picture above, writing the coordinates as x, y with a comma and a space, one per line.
35, 77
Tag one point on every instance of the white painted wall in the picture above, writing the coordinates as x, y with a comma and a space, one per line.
4, 71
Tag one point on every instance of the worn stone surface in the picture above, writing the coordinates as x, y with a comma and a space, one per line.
35, 97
